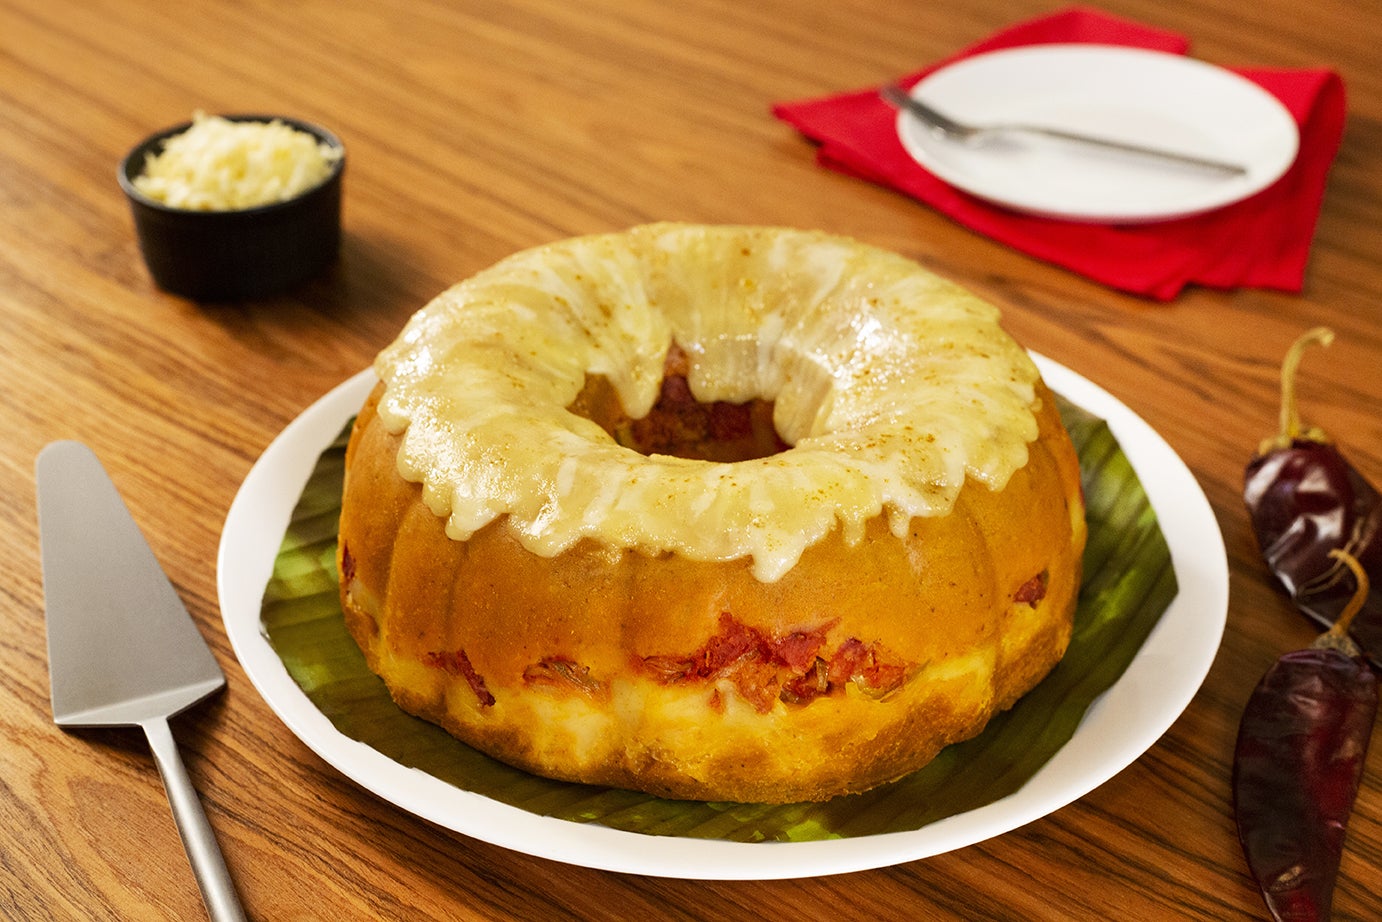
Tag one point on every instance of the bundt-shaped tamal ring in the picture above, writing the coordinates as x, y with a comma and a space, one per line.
890, 384
722, 513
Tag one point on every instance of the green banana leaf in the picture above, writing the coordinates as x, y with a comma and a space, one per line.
1128, 584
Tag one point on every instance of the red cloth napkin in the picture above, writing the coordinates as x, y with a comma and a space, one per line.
1260, 242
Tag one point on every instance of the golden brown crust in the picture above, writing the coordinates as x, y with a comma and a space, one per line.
557, 665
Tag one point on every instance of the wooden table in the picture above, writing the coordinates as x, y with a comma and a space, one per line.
477, 128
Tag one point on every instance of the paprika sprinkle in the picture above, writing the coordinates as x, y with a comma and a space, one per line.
1301, 748
1305, 501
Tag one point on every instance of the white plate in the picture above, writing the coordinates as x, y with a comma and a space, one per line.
1147, 97
1119, 727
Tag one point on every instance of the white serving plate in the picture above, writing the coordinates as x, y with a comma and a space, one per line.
1118, 728
1130, 94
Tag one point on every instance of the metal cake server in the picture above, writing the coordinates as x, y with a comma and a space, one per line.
122, 649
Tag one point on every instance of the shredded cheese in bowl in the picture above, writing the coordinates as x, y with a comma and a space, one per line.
222, 165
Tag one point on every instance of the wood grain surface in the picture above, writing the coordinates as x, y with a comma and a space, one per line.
479, 127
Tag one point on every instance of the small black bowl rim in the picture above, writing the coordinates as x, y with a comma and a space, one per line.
155, 141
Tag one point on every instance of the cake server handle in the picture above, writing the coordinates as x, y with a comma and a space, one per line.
198, 838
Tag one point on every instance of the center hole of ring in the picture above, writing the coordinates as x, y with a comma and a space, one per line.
679, 424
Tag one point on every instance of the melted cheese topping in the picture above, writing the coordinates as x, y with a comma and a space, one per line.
891, 385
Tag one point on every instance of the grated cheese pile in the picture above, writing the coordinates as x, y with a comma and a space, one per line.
223, 165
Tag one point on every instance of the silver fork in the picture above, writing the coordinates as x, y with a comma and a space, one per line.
945, 126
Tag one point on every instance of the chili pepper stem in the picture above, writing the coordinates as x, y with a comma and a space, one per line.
1336, 638
1290, 417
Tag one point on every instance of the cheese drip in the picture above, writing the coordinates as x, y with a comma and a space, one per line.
891, 385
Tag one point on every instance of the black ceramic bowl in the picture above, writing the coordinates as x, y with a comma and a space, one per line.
236, 255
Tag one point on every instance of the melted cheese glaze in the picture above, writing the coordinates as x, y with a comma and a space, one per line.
891, 385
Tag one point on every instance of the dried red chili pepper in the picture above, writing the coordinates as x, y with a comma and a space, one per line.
1301, 748
1305, 501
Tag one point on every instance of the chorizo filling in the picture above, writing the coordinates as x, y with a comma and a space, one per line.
681, 426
